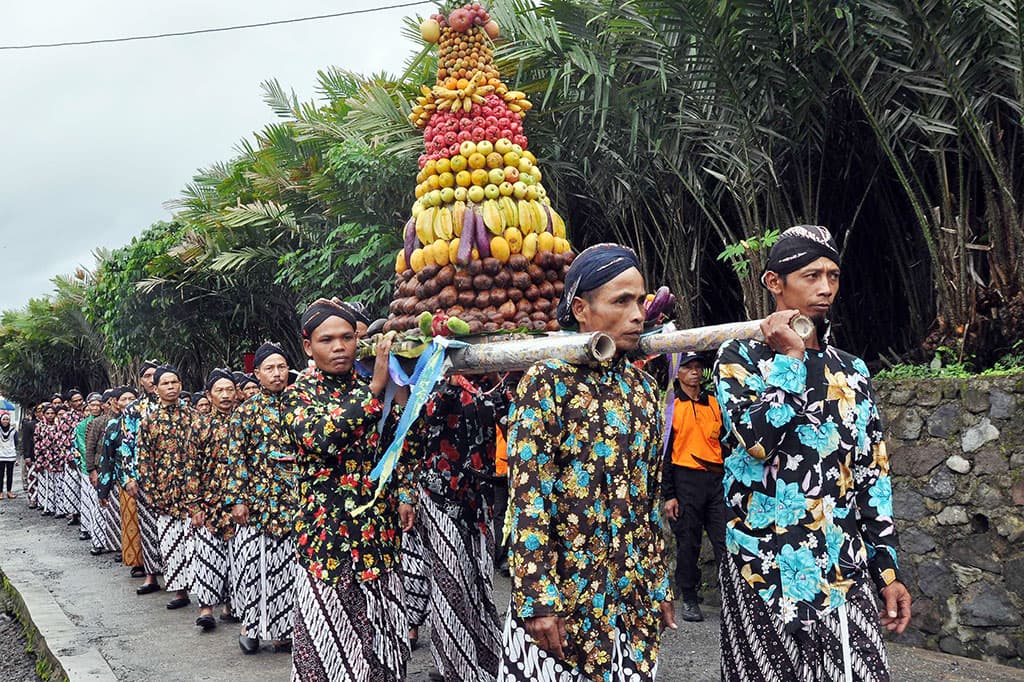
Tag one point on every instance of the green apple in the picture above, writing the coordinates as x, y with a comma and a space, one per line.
460, 193
505, 189
503, 145
484, 147
447, 195
519, 189
496, 176
467, 148
476, 194
491, 191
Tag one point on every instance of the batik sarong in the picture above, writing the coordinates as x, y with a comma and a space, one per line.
244, 551
176, 551
415, 579
110, 521
151, 561
209, 568
32, 483
90, 510
131, 532
465, 631
757, 648
69, 489
269, 590
44, 491
351, 631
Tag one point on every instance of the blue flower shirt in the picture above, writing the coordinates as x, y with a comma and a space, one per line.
807, 485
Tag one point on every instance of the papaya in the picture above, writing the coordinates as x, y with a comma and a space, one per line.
417, 261
440, 249
545, 241
515, 239
530, 245
501, 249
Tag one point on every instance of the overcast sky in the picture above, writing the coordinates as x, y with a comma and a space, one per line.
95, 139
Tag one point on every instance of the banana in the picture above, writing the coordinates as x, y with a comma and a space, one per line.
508, 208
557, 224
492, 216
526, 217
513, 95
425, 90
467, 104
443, 223
458, 213
540, 216
425, 225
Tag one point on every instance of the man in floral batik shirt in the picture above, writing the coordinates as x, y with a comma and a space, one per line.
350, 623
807, 489
590, 589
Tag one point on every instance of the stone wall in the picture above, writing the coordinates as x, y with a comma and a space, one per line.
956, 448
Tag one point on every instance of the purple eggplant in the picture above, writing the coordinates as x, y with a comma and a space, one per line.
410, 239
483, 241
467, 239
662, 302
550, 227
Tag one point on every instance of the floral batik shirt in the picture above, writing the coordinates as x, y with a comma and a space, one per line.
65, 425
333, 420
258, 466
165, 449
807, 484
109, 461
46, 440
584, 453
205, 490
460, 423
129, 430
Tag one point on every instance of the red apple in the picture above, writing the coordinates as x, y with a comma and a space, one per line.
460, 20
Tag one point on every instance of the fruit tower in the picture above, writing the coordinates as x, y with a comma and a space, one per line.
483, 243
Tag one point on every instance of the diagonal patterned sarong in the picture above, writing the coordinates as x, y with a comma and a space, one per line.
110, 521
90, 510
44, 495
270, 591
465, 631
68, 489
32, 483
151, 561
176, 551
415, 579
349, 632
245, 555
209, 568
131, 535
757, 648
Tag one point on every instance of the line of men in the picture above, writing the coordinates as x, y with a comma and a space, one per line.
349, 555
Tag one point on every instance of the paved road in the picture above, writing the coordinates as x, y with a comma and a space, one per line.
144, 641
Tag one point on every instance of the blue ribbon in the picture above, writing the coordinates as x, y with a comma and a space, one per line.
428, 371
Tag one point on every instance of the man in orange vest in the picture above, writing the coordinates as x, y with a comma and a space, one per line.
692, 483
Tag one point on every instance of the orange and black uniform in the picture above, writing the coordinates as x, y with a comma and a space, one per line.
693, 475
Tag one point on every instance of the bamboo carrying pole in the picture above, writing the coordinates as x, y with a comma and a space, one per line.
596, 347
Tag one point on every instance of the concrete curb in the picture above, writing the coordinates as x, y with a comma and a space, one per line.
55, 636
